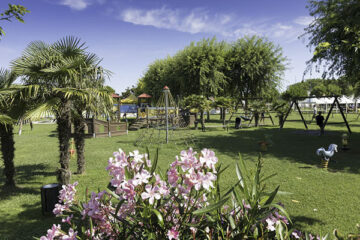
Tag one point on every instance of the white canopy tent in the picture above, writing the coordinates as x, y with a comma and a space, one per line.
325, 103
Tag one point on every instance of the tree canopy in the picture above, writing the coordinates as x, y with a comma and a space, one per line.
254, 65
249, 67
318, 88
335, 35
14, 11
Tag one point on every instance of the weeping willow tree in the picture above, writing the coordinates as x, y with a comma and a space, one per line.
254, 65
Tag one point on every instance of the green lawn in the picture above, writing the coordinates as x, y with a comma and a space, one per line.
320, 200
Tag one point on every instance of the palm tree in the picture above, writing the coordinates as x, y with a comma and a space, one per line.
62, 72
12, 108
6, 130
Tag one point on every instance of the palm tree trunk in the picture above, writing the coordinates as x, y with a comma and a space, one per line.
7, 150
64, 135
79, 136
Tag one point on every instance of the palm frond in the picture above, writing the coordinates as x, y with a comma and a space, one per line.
69, 46
43, 109
6, 78
5, 119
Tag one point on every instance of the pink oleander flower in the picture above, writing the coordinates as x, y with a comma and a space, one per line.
173, 234
151, 193
70, 236
173, 176
163, 189
59, 209
93, 207
67, 219
208, 159
141, 178
193, 179
188, 160
296, 234
270, 225
67, 193
207, 180
136, 156
127, 189
52, 233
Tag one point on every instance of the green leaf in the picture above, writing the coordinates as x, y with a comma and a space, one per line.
268, 177
211, 207
159, 217
154, 164
282, 210
232, 222
112, 193
222, 170
272, 196
239, 175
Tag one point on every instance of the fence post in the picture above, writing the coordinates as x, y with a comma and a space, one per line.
93, 127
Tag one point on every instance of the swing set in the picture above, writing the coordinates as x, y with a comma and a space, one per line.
336, 102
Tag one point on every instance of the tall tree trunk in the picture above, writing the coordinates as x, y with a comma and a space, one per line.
257, 117
7, 150
64, 135
221, 113
79, 136
202, 121
224, 115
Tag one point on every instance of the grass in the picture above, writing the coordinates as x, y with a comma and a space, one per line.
320, 200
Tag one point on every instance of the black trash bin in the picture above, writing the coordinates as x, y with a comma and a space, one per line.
237, 123
49, 197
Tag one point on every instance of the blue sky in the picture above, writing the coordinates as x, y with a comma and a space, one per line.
131, 34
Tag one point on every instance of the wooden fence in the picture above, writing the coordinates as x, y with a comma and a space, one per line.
99, 128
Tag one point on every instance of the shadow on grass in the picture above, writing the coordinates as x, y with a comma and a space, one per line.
29, 221
301, 221
25, 174
288, 144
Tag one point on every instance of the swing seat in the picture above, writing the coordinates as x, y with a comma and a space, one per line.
245, 118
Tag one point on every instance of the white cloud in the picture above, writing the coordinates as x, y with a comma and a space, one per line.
201, 21
285, 32
194, 22
76, 4
304, 20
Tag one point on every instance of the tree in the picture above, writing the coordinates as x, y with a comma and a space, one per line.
156, 77
14, 11
62, 71
254, 64
224, 104
200, 104
200, 67
13, 107
335, 35
197, 69
295, 91
6, 130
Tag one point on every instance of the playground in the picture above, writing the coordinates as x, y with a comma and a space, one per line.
316, 199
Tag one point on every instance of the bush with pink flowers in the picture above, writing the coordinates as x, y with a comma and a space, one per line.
186, 203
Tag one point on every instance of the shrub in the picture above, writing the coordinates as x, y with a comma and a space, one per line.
186, 203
